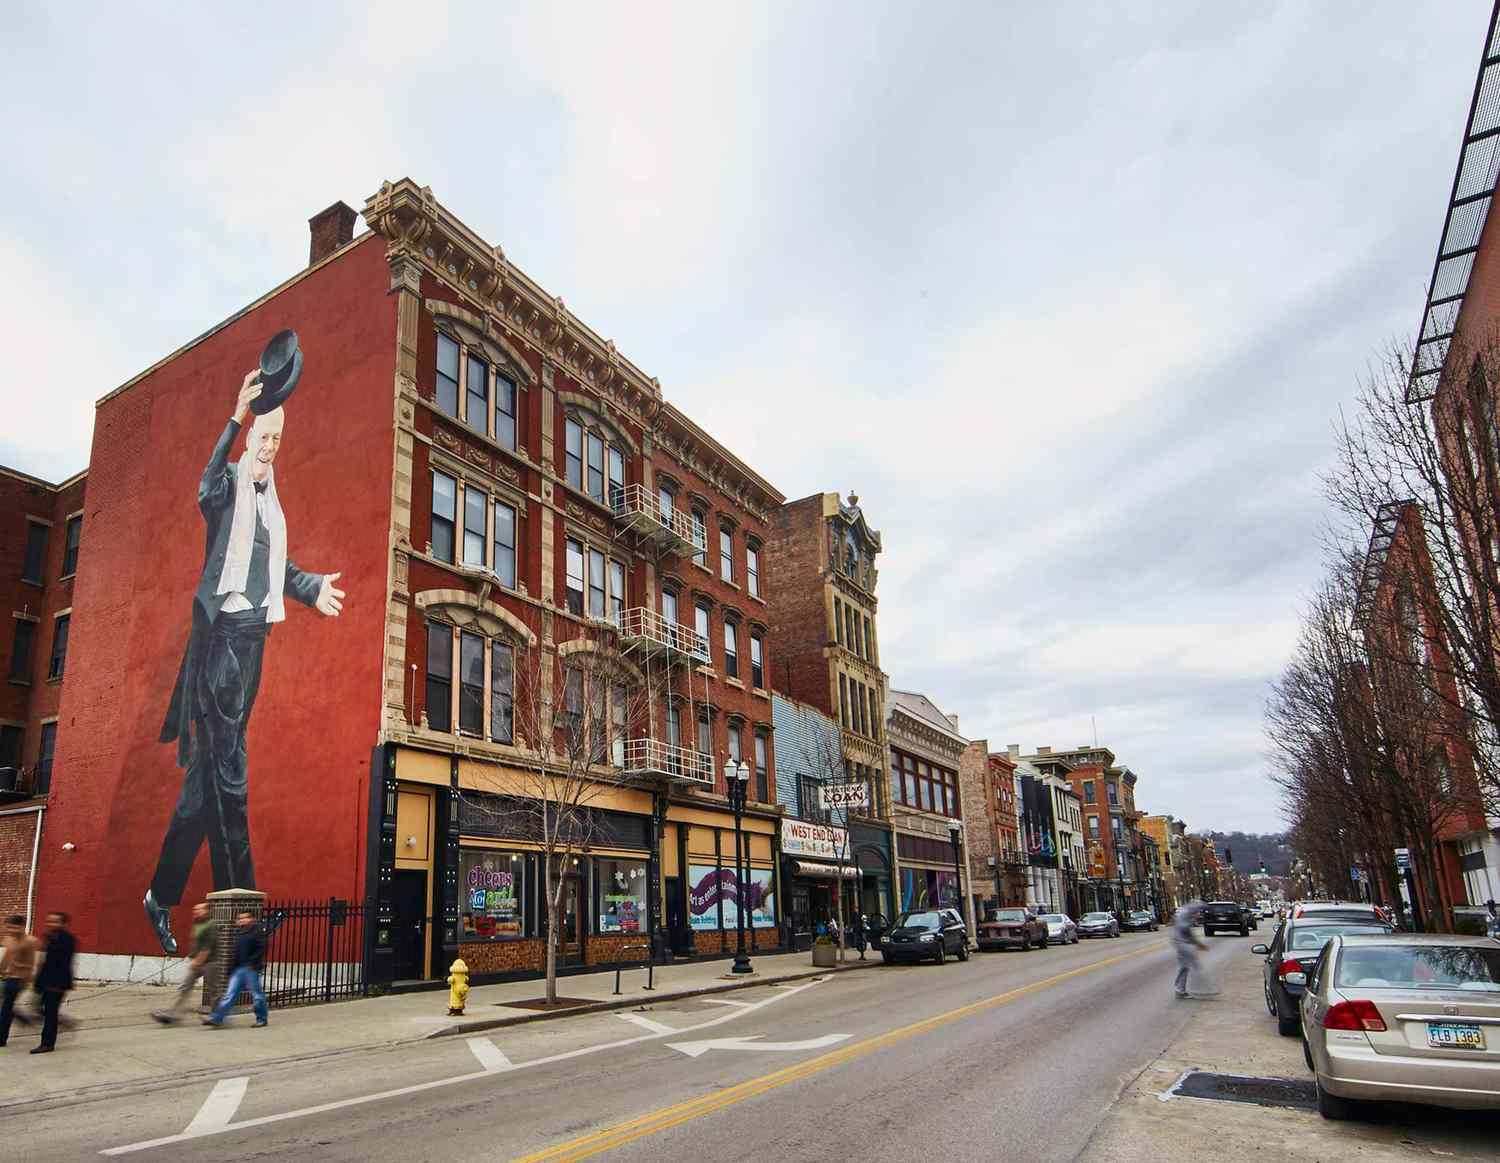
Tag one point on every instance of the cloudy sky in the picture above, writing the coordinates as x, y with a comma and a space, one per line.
1069, 297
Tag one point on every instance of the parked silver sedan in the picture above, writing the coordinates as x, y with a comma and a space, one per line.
1060, 928
1404, 1018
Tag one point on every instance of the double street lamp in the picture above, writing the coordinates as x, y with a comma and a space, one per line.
737, 781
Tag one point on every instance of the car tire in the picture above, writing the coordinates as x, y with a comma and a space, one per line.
1307, 1056
1025, 944
942, 953
1285, 1026
1043, 943
1207, 932
1244, 931
886, 957
1334, 1108
1270, 1001
963, 952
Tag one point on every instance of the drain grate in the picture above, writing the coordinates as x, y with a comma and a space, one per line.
1288, 1092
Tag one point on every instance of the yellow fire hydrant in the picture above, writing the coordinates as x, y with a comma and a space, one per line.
458, 986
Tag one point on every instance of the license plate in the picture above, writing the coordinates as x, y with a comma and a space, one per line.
1453, 1036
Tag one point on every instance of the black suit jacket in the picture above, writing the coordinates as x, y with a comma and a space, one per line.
56, 972
216, 503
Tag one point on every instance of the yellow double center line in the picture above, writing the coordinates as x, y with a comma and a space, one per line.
672, 1116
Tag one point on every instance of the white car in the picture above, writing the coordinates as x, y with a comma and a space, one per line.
1060, 928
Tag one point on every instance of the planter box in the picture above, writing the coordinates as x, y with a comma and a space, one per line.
824, 956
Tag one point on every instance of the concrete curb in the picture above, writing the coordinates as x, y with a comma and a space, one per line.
626, 1003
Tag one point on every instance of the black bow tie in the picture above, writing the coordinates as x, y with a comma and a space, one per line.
260, 486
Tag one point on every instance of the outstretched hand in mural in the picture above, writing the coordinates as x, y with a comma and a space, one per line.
330, 597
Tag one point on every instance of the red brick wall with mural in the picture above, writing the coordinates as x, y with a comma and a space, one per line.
317, 713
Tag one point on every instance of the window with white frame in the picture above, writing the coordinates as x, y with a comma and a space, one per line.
447, 375
616, 476
752, 569
573, 453
616, 592
598, 585
735, 727
502, 692
476, 512
731, 649
575, 572
470, 683
700, 537
477, 395
505, 410
666, 501
594, 584
700, 623
444, 514
439, 676
705, 734
726, 553
487, 392
594, 446
762, 769
757, 663
504, 561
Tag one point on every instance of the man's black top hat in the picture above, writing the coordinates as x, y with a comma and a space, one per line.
280, 367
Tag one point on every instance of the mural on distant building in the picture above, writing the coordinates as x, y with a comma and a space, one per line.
245, 578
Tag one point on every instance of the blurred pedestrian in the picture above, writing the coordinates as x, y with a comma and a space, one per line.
1492, 926
205, 945
55, 978
17, 968
857, 931
1186, 942
249, 956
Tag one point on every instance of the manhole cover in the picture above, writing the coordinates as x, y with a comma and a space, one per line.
1289, 1092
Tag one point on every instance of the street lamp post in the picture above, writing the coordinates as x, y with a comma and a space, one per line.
954, 829
737, 781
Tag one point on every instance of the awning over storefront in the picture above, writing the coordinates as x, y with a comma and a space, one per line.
812, 868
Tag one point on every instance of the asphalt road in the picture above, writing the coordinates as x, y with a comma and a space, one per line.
1010, 1055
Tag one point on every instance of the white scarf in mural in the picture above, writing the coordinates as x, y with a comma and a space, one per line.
236, 572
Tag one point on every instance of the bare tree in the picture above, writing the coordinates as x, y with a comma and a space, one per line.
829, 769
581, 713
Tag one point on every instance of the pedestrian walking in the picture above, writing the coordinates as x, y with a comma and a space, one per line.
1186, 942
17, 968
249, 956
857, 930
55, 978
205, 945
1492, 926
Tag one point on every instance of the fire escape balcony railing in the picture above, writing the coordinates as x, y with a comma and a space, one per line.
669, 529
659, 759
644, 631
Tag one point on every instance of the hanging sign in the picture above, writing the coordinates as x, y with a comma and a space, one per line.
833, 796
1403, 859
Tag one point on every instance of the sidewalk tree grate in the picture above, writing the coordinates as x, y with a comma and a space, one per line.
1288, 1092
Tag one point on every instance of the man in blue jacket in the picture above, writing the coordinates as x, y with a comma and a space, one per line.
244, 976
246, 575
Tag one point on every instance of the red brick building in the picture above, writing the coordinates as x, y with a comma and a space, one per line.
997, 860
41, 528
1115, 858
503, 498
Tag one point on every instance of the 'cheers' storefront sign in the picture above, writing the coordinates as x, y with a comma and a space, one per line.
820, 841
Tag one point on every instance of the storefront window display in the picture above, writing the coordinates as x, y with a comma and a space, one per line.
493, 890
620, 896
923, 888
709, 887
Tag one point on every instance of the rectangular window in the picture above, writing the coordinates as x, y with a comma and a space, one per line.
732, 738
911, 798
70, 546
896, 794
849, 626
20, 655
571, 719
700, 624
596, 467
439, 676
573, 453
859, 637
477, 396
59, 646
36, 552
869, 641
476, 508
925, 788
752, 569
10, 746
502, 692
617, 725
620, 896
809, 803
762, 770
505, 411
494, 888
757, 664
575, 576
616, 476
731, 650
616, 592
843, 701
705, 734
726, 554
504, 563
41, 780
874, 715
669, 609
444, 514
666, 501
1114, 793
596, 584
838, 621
598, 721
700, 537
674, 725
447, 375
470, 683
1115, 825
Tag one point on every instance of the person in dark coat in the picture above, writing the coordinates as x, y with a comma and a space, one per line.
55, 978
249, 958
857, 932
246, 574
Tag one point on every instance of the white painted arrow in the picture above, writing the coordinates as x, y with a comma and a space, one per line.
753, 1042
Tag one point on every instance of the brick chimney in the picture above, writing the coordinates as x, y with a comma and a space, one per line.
330, 229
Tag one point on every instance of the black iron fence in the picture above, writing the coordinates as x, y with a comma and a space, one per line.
315, 951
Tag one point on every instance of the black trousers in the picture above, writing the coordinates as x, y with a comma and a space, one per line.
10, 990
214, 804
51, 1006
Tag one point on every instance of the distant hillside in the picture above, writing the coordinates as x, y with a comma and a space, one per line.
1249, 849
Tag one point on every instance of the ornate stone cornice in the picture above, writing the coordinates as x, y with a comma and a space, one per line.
418, 230
697, 451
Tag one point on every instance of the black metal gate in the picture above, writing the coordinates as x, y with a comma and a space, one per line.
315, 951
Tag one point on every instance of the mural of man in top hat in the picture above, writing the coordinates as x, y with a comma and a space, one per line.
245, 577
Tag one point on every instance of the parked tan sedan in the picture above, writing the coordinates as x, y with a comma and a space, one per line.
1404, 1018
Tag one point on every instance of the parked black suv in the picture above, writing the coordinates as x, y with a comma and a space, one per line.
927, 933
1221, 915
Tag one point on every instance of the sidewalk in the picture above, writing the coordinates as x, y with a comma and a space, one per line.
116, 1043
1233, 1034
